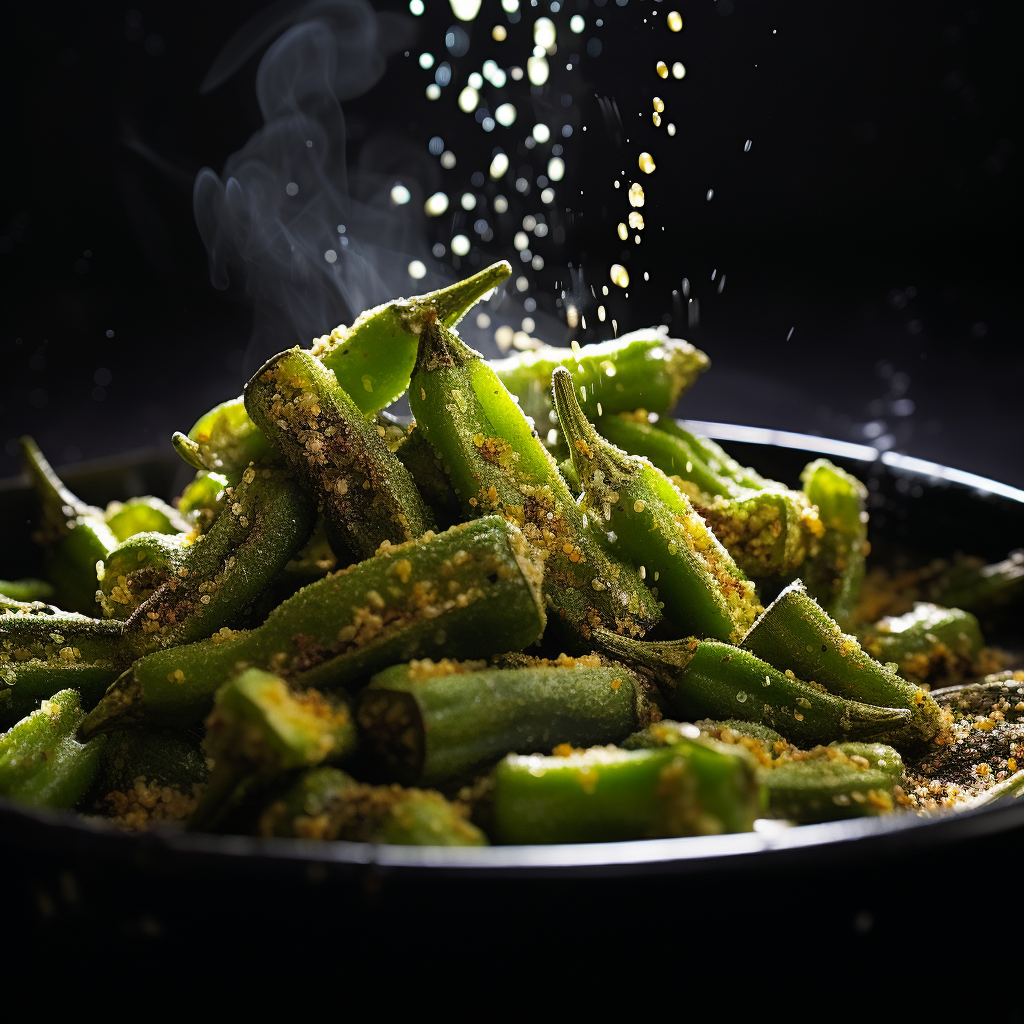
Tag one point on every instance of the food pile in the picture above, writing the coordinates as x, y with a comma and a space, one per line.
542, 612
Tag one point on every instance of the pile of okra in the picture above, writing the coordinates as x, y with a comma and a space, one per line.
540, 612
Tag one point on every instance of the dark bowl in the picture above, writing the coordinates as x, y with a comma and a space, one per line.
861, 882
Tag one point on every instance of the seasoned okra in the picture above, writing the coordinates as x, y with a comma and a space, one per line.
644, 368
364, 493
223, 572
461, 593
651, 522
711, 679
42, 763
797, 634
437, 722
496, 463
372, 361
605, 794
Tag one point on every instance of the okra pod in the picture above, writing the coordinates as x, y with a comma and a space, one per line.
73, 534
796, 633
429, 723
365, 494
42, 653
928, 644
834, 575
372, 361
645, 368
258, 729
710, 679
42, 763
463, 593
224, 571
693, 787
846, 780
496, 463
326, 804
419, 458
652, 523
203, 498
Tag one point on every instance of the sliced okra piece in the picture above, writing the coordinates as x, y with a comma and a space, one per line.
365, 494
463, 593
25, 592
645, 368
372, 361
325, 803
835, 574
144, 515
429, 723
267, 519
42, 764
605, 794
767, 532
73, 534
928, 644
846, 780
42, 653
702, 590
133, 571
796, 633
260, 728
496, 463
149, 776
711, 679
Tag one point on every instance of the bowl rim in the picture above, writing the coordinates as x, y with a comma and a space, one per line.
771, 844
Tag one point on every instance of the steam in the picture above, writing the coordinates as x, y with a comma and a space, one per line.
314, 241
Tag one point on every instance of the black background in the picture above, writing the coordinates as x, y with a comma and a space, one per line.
876, 214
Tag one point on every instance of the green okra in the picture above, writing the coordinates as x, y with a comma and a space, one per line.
767, 532
462, 593
73, 534
42, 764
259, 729
41, 653
223, 572
835, 574
427, 723
419, 458
768, 529
645, 368
651, 522
25, 592
372, 361
327, 804
796, 633
845, 780
365, 494
928, 644
711, 679
133, 571
496, 463
693, 787
676, 452
143, 515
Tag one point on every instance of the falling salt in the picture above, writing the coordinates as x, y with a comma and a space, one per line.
662, 68
619, 275
646, 162
674, 21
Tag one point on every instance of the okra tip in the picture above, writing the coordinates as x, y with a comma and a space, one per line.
189, 451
